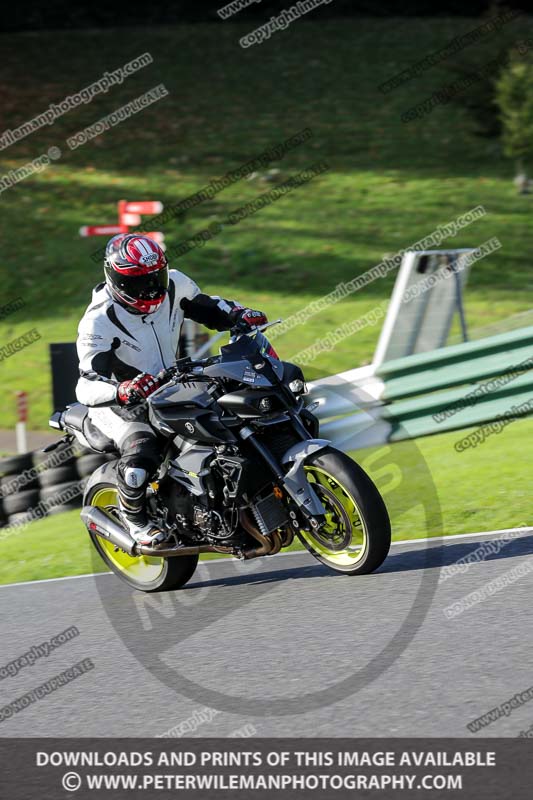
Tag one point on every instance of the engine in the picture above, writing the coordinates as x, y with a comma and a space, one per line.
196, 519
229, 484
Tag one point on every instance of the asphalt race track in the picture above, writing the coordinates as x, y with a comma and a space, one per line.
281, 635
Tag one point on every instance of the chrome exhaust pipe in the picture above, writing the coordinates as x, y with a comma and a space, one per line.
179, 550
96, 521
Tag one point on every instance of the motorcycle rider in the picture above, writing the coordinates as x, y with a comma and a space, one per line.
128, 335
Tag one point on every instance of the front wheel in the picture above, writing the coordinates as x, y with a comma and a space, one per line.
145, 573
356, 536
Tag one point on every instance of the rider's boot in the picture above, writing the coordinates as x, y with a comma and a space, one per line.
132, 506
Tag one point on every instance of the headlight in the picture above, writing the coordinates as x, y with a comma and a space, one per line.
298, 386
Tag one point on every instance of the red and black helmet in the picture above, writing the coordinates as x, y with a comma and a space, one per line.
136, 272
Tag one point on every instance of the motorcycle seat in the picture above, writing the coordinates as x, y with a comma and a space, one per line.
77, 418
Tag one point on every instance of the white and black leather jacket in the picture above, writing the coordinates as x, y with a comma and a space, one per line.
115, 345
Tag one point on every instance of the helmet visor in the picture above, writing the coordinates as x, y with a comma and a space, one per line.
143, 287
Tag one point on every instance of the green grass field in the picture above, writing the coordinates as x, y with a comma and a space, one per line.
388, 183
481, 489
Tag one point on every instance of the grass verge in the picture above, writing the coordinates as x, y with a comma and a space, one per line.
388, 183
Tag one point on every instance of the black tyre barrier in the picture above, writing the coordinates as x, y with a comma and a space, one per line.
12, 484
19, 519
63, 454
68, 492
57, 475
28, 480
21, 502
12, 465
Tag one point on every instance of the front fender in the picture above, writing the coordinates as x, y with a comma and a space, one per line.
303, 449
296, 483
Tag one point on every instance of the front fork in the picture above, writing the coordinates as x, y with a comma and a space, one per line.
294, 480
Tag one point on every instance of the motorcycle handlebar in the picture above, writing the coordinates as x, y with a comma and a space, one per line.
245, 330
182, 364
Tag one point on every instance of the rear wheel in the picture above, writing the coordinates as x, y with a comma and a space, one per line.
145, 573
356, 537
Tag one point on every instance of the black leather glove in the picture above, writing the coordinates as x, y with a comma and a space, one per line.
247, 318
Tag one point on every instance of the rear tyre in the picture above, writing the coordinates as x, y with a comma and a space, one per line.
356, 537
145, 573
88, 464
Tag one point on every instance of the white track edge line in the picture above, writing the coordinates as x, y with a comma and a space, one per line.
442, 539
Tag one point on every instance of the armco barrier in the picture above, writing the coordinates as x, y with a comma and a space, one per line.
428, 393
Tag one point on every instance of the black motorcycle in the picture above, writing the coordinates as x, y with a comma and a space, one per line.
242, 471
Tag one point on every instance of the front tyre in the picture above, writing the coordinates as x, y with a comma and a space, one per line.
356, 537
145, 573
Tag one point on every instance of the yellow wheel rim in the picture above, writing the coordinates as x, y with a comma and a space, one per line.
141, 568
341, 513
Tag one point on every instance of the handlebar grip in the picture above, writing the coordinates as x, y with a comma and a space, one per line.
166, 374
